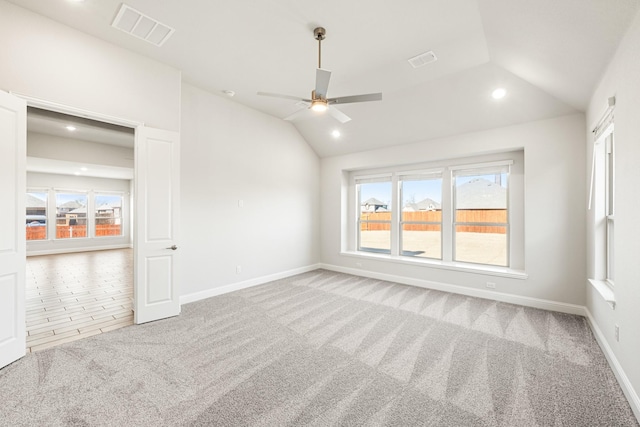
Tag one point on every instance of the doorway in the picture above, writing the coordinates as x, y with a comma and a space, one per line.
79, 210
155, 229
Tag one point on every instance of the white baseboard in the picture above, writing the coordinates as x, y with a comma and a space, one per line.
197, 296
623, 380
73, 250
456, 289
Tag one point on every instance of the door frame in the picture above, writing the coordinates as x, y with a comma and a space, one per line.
92, 115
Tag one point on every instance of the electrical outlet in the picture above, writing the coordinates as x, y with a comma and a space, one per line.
238, 269
617, 332
240, 203
491, 285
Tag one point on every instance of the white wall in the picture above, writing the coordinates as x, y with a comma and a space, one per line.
45, 181
554, 157
622, 80
47, 60
229, 153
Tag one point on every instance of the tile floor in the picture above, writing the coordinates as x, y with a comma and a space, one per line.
73, 296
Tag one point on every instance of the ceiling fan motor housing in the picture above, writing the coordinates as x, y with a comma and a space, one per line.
319, 33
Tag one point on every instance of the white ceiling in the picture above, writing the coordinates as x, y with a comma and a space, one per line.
548, 54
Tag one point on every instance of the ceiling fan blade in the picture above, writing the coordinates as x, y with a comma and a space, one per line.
338, 115
278, 95
296, 114
322, 82
356, 98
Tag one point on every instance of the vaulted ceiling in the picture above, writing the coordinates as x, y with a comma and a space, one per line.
547, 54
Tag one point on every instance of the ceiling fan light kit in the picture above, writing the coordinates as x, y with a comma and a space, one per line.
319, 101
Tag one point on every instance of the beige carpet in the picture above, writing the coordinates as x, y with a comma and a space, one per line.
325, 349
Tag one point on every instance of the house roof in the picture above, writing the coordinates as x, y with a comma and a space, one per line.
373, 202
548, 54
423, 205
481, 194
34, 202
71, 204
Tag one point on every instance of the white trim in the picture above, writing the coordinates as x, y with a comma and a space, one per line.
433, 171
367, 179
621, 376
463, 290
73, 250
481, 165
605, 291
443, 265
197, 296
66, 109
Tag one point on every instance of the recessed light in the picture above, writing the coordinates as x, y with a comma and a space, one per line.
335, 133
499, 93
76, 173
71, 128
83, 169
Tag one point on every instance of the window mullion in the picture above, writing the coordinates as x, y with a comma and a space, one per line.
447, 216
396, 195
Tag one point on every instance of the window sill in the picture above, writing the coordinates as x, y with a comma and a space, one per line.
605, 291
443, 265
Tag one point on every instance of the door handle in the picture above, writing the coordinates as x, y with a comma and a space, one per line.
173, 248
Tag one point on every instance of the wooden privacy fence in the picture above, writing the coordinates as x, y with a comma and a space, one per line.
462, 215
69, 231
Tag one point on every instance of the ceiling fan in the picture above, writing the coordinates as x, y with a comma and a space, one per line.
319, 101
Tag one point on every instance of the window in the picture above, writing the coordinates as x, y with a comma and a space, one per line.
108, 215
602, 204
463, 213
481, 226
421, 217
374, 214
71, 215
36, 215
609, 202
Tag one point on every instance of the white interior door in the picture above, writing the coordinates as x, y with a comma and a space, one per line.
13, 158
157, 208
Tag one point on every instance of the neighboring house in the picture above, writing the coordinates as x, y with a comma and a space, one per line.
76, 216
108, 214
68, 207
35, 206
423, 205
373, 205
481, 194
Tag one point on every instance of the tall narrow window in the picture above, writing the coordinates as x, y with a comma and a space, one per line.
108, 215
481, 220
421, 217
609, 203
36, 211
71, 215
374, 213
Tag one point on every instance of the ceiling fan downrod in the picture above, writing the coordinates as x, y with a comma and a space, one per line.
319, 34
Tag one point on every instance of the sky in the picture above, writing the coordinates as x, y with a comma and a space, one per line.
417, 191
61, 198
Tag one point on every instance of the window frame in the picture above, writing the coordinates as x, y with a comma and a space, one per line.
476, 170
44, 191
86, 193
609, 196
429, 174
369, 179
94, 213
515, 210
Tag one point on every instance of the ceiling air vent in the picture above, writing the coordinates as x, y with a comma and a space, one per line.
141, 26
423, 59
